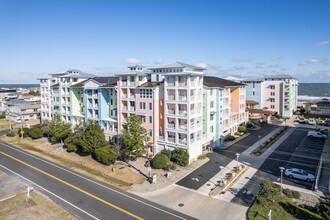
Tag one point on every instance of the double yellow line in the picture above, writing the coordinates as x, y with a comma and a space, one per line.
77, 188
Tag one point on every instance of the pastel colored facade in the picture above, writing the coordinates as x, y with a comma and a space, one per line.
277, 93
178, 105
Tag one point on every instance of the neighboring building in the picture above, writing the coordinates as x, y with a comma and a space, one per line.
20, 110
223, 109
318, 108
277, 93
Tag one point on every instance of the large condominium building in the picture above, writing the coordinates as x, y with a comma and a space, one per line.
179, 107
277, 93
55, 93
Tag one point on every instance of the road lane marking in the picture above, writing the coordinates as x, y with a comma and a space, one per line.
49, 192
77, 188
69, 171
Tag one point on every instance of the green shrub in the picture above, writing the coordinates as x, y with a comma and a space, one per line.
202, 157
35, 133
2, 116
167, 152
181, 157
298, 212
105, 155
71, 147
170, 166
296, 194
67, 141
242, 128
288, 193
159, 161
250, 124
238, 133
12, 133
323, 208
230, 138
278, 116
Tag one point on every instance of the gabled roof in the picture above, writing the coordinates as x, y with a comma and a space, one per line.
105, 82
150, 84
212, 81
252, 102
177, 65
259, 111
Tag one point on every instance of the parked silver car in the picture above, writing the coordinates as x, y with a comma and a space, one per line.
299, 174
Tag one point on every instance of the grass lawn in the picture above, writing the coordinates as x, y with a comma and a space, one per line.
37, 207
123, 177
271, 198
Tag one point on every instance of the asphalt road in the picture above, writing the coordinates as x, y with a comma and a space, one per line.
297, 151
220, 157
85, 197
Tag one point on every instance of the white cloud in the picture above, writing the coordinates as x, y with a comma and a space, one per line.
313, 61
239, 67
133, 61
323, 43
241, 60
263, 66
275, 58
203, 65
159, 61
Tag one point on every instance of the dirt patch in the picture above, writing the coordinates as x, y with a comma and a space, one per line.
123, 177
37, 207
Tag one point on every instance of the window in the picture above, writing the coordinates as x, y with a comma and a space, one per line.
150, 133
111, 112
145, 93
254, 85
254, 93
111, 101
211, 104
272, 106
150, 119
272, 93
211, 117
211, 91
142, 105
143, 119
272, 87
140, 78
272, 100
211, 129
150, 106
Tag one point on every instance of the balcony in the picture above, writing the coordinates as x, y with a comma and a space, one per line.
124, 83
171, 98
132, 108
183, 112
182, 98
124, 96
192, 126
286, 109
132, 96
182, 83
124, 120
183, 126
182, 141
170, 83
171, 111
131, 83
192, 98
192, 112
171, 125
124, 108
171, 139
161, 138
287, 103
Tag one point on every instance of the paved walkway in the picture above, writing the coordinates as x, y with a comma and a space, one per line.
196, 205
324, 184
228, 144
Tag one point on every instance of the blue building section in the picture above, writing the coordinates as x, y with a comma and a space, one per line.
86, 105
253, 92
103, 95
219, 115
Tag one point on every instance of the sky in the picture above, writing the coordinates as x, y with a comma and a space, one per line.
249, 38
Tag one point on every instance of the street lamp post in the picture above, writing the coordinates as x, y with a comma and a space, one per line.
149, 167
282, 169
259, 136
237, 155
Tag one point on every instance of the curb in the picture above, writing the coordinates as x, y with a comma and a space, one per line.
9, 197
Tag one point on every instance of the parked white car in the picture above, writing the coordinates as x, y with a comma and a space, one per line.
299, 174
311, 121
316, 134
301, 120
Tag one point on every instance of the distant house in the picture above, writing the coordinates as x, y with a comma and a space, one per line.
318, 108
20, 113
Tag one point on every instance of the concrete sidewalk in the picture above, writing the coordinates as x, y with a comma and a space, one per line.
196, 205
324, 183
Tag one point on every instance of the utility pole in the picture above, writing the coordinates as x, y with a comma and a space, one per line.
22, 132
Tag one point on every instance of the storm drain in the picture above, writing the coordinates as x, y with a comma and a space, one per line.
181, 205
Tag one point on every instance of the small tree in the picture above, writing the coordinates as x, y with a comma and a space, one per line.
167, 152
92, 137
59, 130
181, 157
105, 155
242, 128
35, 132
45, 128
133, 136
159, 161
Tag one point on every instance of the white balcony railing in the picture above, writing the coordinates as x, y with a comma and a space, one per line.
183, 126
124, 83
182, 98
132, 108
171, 97
171, 111
182, 141
124, 96
171, 125
182, 83
171, 139
124, 108
182, 112
170, 83
192, 98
